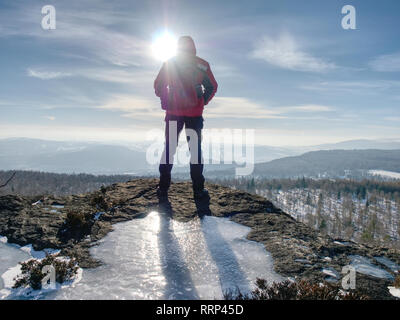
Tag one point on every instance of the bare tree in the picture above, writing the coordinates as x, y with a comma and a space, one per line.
12, 176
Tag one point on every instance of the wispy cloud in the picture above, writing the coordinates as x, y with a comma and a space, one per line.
397, 119
106, 74
47, 75
74, 132
386, 63
51, 118
241, 107
307, 108
136, 107
94, 33
139, 77
285, 52
365, 87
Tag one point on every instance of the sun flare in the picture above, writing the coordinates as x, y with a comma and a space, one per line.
164, 46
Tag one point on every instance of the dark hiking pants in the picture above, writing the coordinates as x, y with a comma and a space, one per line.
173, 127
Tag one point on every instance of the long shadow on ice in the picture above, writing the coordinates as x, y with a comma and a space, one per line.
230, 272
179, 284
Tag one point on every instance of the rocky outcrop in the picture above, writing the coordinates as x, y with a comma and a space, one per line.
75, 223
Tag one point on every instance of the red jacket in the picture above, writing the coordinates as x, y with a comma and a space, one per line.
187, 54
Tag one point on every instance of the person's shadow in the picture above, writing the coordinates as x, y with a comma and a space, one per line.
179, 284
230, 273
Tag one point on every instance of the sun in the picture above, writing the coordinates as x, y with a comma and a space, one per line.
164, 46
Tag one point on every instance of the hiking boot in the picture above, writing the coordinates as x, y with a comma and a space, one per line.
162, 193
201, 194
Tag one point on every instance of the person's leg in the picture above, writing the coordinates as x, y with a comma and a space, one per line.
173, 127
193, 127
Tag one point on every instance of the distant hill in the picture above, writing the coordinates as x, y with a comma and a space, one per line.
327, 163
101, 158
70, 157
92, 159
331, 163
359, 145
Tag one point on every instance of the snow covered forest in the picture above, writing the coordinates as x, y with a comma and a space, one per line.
366, 211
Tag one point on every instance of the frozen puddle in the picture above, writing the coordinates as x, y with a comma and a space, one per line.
9, 257
156, 257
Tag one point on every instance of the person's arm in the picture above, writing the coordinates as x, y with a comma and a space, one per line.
160, 83
210, 85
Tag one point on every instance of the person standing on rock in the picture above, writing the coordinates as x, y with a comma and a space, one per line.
185, 84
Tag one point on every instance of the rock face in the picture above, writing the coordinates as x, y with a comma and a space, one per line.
75, 223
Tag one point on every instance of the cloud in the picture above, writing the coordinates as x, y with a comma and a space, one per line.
308, 108
51, 118
386, 63
360, 87
47, 75
136, 107
52, 131
397, 119
137, 76
285, 53
92, 32
241, 107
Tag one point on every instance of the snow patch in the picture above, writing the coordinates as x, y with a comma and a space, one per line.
339, 243
28, 293
39, 254
57, 206
11, 255
330, 272
394, 291
384, 173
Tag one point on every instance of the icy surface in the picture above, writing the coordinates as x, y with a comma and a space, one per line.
158, 258
388, 263
9, 257
58, 206
365, 266
331, 272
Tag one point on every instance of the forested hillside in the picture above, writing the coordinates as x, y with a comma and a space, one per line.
30, 183
365, 211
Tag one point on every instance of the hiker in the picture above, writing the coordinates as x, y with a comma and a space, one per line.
185, 84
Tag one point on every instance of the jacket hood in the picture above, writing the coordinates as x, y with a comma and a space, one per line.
186, 45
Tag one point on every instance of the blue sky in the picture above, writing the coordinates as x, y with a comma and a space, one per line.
285, 68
